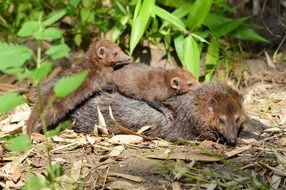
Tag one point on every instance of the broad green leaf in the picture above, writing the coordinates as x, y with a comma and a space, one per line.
228, 27
179, 47
67, 85
40, 73
214, 21
85, 14
29, 28
198, 13
212, 52
212, 58
139, 24
58, 51
9, 101
54, 17
191, 56
13, 55
35, 182
19, 143
249, 34
49, 34
165, 15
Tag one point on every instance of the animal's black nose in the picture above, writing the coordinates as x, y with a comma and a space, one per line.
231, 142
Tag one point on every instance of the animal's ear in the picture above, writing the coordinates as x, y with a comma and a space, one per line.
211, 103
101, 52
175, 83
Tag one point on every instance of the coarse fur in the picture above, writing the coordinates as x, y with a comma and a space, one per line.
153, 84
99, 61
211, 111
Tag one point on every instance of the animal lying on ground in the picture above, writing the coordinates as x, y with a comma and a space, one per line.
213, 111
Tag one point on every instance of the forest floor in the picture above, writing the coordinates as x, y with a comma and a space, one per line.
100, 163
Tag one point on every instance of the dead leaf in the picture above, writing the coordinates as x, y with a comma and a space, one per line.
16, 174
90, 139
122, 185
189, 155
75, 170
12, 167
143, 129
237, 150
116, 151
123, 129
127, 176
125, 139
176, 185
269, 61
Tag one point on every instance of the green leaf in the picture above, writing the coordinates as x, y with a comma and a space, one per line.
58, 51
9, 101
179, 47
169, 17
42, 72
29, 28
19, 143
54, 17
49, 34
86, 15
198, 13
139, 24
214, 21
62, 126
67, 85
35, 182
13, 55
228, 27
212, 58
249, 34
191, 56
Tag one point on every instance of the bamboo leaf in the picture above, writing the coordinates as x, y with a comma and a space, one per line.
191, 56
179, 47
249, 34
198, 13
228, 26
140, 23
169, 17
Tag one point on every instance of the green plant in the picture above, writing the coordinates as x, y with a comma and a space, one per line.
192, 26
13, 60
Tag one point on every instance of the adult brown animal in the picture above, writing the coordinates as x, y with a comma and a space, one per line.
99, 61
213, 111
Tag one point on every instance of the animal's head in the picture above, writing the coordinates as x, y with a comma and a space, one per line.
226, 114
181, 80
107, 53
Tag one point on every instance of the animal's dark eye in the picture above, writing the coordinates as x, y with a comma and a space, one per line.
115, 54
221, 120
190, 84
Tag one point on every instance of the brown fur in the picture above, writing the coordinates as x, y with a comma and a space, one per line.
197, 114
99, 59
153, 84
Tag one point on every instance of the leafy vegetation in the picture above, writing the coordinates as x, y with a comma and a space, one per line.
188, 27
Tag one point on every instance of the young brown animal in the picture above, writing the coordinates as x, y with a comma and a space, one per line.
99, 60
211, 111
153, 84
